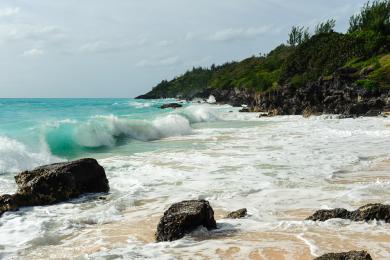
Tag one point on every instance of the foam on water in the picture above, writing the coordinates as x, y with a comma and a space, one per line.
15, 156
281, 169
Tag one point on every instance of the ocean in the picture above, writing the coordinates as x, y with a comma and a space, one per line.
281, 169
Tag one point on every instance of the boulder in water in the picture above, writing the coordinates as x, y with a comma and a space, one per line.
237, 214
55, 183
352, 255
365, 213
183, 217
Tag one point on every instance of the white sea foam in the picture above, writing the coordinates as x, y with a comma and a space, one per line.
277, 168
15, 156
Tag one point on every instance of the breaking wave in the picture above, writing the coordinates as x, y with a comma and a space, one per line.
15, 156
108, 131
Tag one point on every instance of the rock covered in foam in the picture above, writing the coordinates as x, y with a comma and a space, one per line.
183, 217
237, 214
352, 255
365, 213
55, 183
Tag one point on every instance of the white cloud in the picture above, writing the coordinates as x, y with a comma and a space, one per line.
9, 11
33, 52
232, 34
157, 62
15, 32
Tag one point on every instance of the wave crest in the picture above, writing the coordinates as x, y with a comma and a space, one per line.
106, 131
15, 156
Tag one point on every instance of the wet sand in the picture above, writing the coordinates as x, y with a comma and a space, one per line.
298, 243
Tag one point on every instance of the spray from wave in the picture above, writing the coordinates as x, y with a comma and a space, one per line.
15, 156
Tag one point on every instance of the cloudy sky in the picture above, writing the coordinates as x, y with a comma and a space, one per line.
122, 48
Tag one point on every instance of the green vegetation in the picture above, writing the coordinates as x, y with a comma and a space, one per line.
373, 17
326, 27
365, 47
298, 35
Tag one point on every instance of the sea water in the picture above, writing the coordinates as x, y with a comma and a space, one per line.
281, 169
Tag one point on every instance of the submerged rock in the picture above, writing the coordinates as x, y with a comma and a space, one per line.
55, 183
171, 105
352, 255
183, 217
365, 213
237, 214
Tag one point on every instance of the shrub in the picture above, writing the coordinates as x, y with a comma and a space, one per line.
374, 16
298, 35
326, 27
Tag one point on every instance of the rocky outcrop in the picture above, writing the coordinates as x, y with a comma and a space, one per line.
241, 213
352, 255
55, 183
336, 94
333, 95
171, 105
365, 213
183, 217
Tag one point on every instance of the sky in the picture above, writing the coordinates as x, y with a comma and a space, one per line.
123, 48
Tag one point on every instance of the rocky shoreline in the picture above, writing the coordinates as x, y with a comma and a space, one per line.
336, 94
60, 182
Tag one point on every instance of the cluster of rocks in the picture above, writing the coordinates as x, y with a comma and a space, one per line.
333, 95
365, 213
336, 94
55, 183
63, 181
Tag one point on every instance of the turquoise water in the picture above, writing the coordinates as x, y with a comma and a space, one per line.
289, 165
71, 127
36, 131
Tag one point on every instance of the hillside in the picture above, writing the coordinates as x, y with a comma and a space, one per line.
305, 59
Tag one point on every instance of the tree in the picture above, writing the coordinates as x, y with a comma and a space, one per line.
325, 27
298, 35
374, 16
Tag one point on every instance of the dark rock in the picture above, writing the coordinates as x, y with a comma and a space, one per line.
265, 114
183, 217
244, 110
55, 183
371, 212
325, 214
352, 255
237, 214
337, 95
171, 105
365, 213
8, 203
